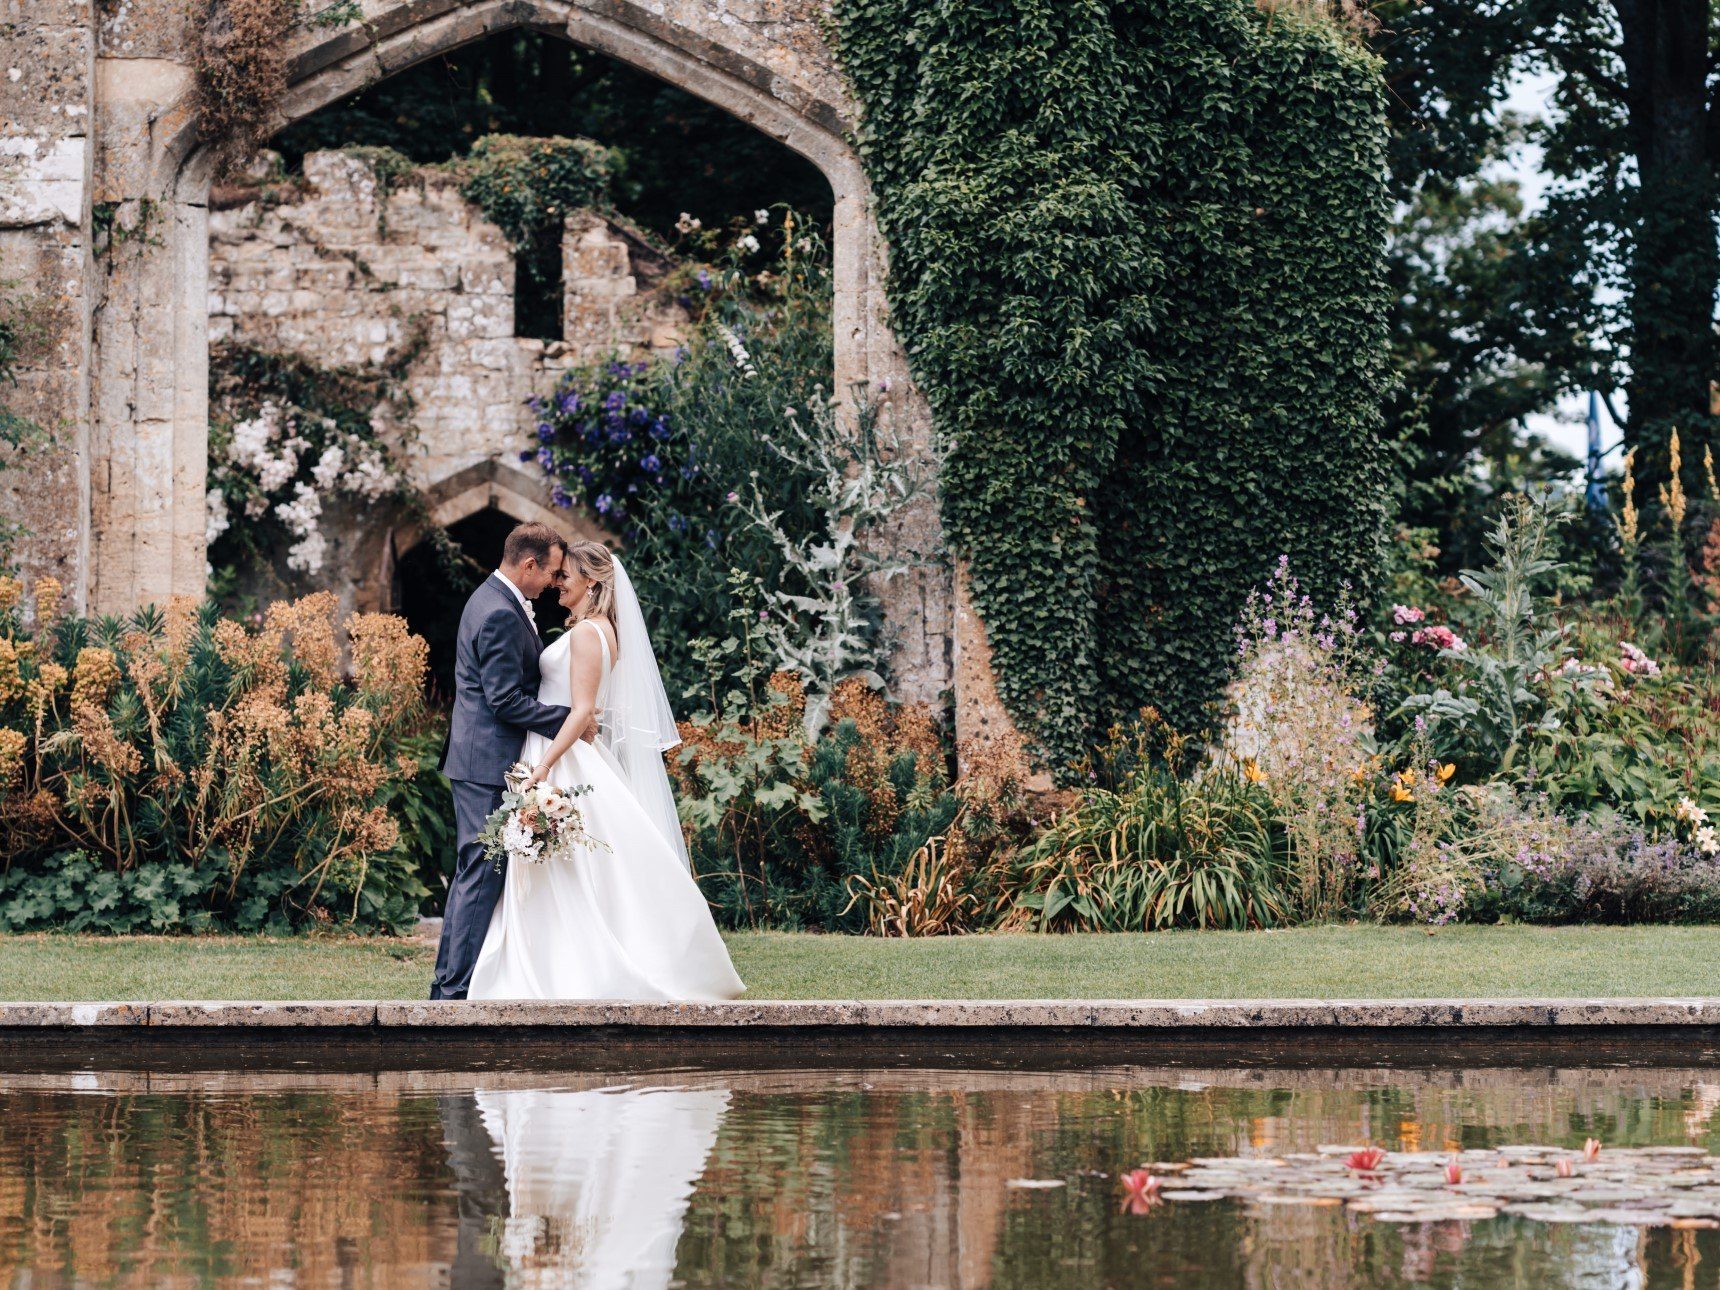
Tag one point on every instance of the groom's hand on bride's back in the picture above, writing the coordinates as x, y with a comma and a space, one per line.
589, 734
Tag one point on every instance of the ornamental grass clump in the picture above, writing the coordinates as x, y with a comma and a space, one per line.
179, 749
1159, 850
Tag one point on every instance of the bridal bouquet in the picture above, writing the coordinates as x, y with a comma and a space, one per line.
535, 825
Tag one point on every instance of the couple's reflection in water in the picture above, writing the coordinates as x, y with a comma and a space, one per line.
585, 1187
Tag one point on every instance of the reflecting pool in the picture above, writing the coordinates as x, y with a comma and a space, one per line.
950, 1172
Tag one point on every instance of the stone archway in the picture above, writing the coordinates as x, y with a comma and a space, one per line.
764, 61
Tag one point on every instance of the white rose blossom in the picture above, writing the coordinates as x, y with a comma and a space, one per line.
269, 447
327, 470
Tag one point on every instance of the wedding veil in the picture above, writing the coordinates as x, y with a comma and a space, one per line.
636, 724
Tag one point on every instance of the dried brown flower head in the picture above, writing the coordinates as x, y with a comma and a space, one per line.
11, 678
12, 745
94, 676
102, 743
48, 596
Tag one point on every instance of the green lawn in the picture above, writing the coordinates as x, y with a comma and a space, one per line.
1320, 962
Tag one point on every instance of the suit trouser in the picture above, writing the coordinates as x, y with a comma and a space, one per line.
481, 1189
473, 893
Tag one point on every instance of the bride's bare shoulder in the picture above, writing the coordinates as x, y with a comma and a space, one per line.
599, 628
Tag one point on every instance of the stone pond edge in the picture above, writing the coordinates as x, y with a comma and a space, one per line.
1130, 1015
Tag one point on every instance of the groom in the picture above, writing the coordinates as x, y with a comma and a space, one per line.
495, 703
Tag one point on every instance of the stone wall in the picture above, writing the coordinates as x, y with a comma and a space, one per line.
341, 275
339, 271
99, 127
48, 279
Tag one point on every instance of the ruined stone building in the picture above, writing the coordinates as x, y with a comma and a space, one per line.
100, 133
347, 272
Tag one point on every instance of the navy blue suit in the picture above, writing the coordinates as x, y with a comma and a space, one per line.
495, 704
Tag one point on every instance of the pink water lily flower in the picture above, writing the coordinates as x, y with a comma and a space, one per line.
1366, 1160
1453, 1172
1140, 1191
1565, 1167
1591, 1151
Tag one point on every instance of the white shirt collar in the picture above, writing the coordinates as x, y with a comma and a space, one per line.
518, 594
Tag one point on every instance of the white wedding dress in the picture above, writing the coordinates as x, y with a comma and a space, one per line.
623, 922
599, 1180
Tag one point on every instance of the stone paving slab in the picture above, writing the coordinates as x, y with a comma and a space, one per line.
244, 1015
1127, 1015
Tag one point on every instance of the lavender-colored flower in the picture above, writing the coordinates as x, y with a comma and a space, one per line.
560, 496
545, 431
615, 401
604, 503
638, 417
713, 539
704, 278
651, 463
677, 523
569, 403
546, 458
527, 455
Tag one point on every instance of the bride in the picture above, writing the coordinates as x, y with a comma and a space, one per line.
624, 921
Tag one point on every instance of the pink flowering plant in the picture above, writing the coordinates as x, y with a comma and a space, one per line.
1513, 687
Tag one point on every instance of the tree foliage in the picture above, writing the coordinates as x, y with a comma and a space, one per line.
1137, 258
1611, 285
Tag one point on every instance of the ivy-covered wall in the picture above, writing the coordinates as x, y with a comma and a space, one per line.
1137, 263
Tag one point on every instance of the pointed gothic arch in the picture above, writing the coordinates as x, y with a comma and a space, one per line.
765, 63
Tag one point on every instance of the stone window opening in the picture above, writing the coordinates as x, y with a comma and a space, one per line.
538, 292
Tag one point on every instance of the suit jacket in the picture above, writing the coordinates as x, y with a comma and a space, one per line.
495, 687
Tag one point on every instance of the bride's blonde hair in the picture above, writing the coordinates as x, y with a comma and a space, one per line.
594, 561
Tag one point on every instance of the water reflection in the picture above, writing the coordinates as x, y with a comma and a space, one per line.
598, 1180
832, 1177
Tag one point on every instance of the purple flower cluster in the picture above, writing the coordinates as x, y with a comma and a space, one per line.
609, 445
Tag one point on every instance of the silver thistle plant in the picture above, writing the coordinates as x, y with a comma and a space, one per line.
826, 628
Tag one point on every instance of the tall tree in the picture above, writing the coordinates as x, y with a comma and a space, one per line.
1617, 275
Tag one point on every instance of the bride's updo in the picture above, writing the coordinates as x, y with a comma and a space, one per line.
593, 560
